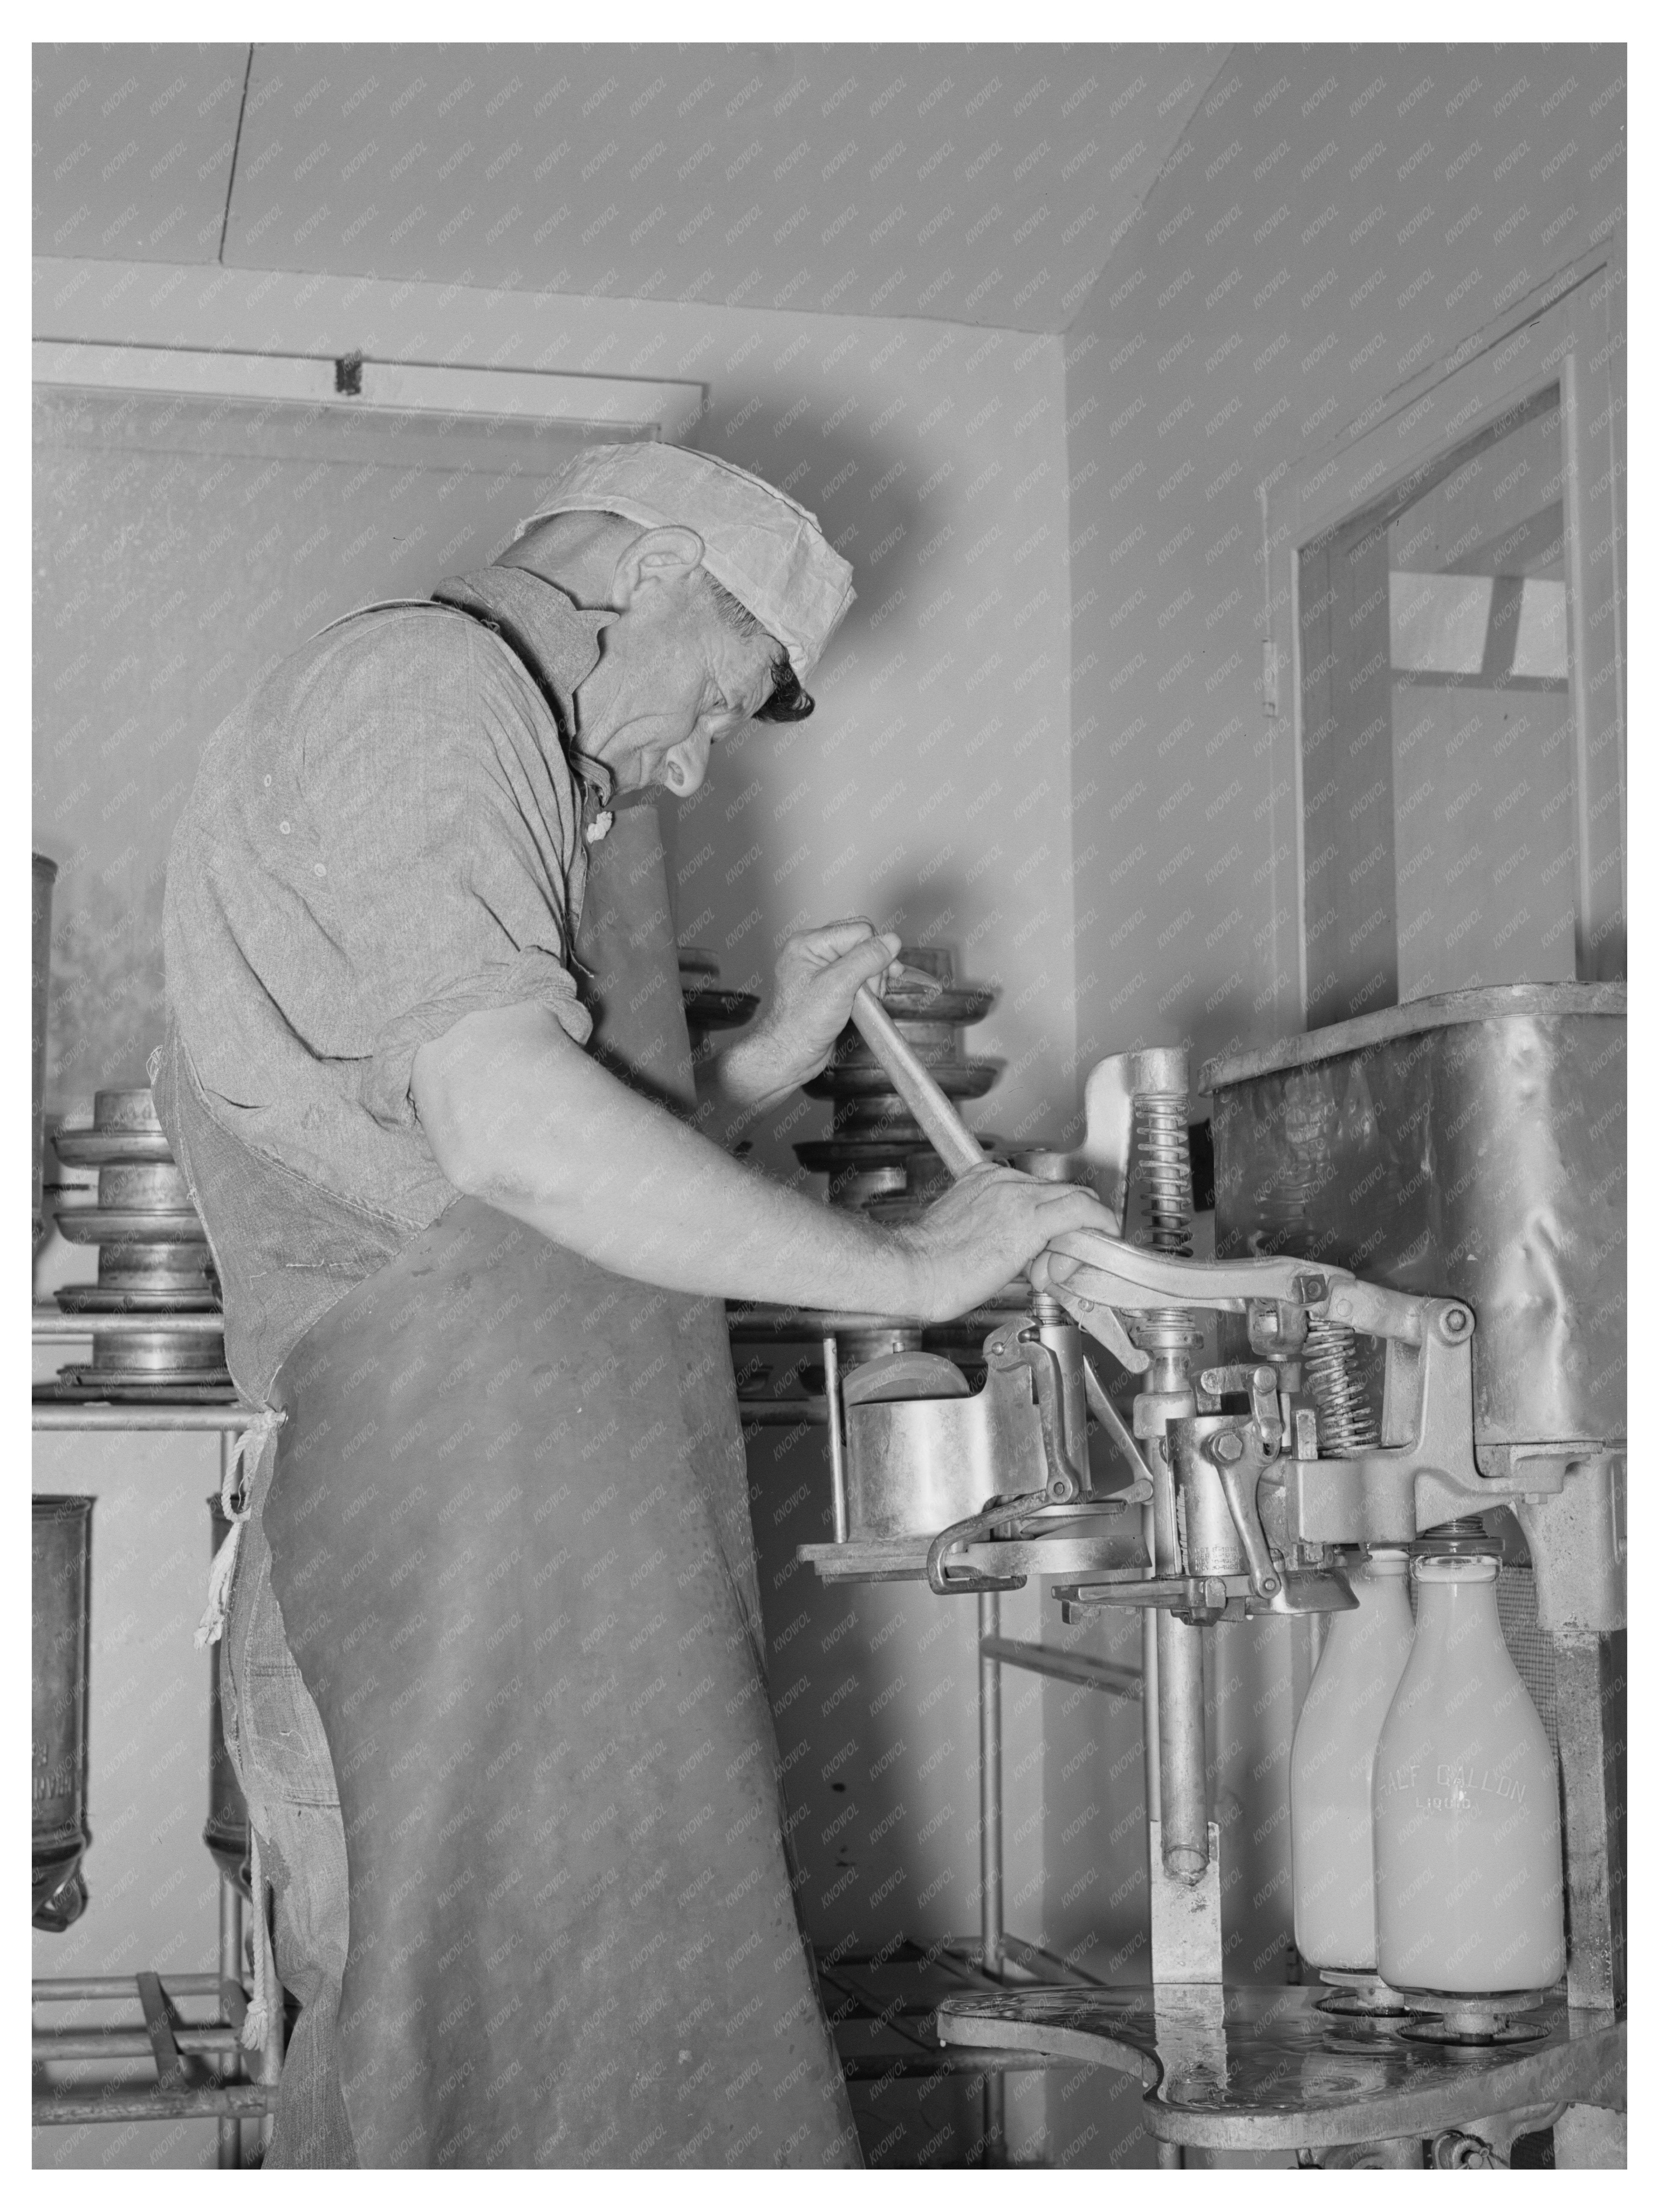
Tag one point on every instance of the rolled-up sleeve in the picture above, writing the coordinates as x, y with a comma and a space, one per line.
447, 839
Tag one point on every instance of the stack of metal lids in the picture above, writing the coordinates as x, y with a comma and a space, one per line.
153, 1257
879, 1159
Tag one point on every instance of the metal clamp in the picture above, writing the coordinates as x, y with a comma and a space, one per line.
1139, 1491
999, 1511
1066, 1480
1239, 1458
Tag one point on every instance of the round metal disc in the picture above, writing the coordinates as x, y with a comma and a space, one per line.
827, 1155
101, 1148
969, 1078
87, 1385
98, 1224
956, 1002
1475, 2041
111, 1298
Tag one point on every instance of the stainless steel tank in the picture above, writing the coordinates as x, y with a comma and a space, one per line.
1472, 1145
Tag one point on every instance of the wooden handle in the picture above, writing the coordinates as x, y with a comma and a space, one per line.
944, 1128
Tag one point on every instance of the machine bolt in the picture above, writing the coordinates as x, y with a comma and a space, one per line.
1309, 1290
1227, 1445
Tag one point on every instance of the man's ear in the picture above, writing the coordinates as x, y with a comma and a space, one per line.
659, 556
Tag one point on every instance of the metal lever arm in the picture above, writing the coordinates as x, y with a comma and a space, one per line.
1066, 1480
946, 1130
1239, 1475
1140, 1490
1142, 1279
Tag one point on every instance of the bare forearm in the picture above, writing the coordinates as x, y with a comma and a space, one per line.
746, 1077
521, 1116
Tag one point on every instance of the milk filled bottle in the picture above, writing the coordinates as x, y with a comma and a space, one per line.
1467, 1821
1331, 1762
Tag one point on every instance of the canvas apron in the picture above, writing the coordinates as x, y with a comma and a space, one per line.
509, 1534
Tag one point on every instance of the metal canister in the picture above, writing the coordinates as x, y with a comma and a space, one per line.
61, 1594
225, 1834
45, 875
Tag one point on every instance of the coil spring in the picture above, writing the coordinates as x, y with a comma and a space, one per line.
1164, 1167
1347, 1426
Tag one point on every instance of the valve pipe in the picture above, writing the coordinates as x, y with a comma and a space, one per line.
1183, 1798
1181, 1793
1154, 1780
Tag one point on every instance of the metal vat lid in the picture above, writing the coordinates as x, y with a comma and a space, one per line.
1526, 1001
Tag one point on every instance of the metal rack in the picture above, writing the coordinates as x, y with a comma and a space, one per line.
192, 2064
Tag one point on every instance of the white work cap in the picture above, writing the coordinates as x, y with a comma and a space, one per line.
768, 552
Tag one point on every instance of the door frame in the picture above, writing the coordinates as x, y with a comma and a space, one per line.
1569, 330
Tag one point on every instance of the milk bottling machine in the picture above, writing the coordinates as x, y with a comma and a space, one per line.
1418, 1286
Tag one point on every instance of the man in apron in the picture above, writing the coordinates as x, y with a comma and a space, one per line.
493, 1675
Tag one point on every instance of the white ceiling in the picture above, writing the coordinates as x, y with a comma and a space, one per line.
132, 149
982, 185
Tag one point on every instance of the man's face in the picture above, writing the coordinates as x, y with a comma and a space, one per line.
673, 678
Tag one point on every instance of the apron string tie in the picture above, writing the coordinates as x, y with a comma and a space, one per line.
236, 1503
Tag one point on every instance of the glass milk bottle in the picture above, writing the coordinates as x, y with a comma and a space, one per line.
1467, 1820
1331, 1761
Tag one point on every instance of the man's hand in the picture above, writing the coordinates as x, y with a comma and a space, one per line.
985, 1229
817, 973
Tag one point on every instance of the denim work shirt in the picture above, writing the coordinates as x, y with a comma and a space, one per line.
389, 833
